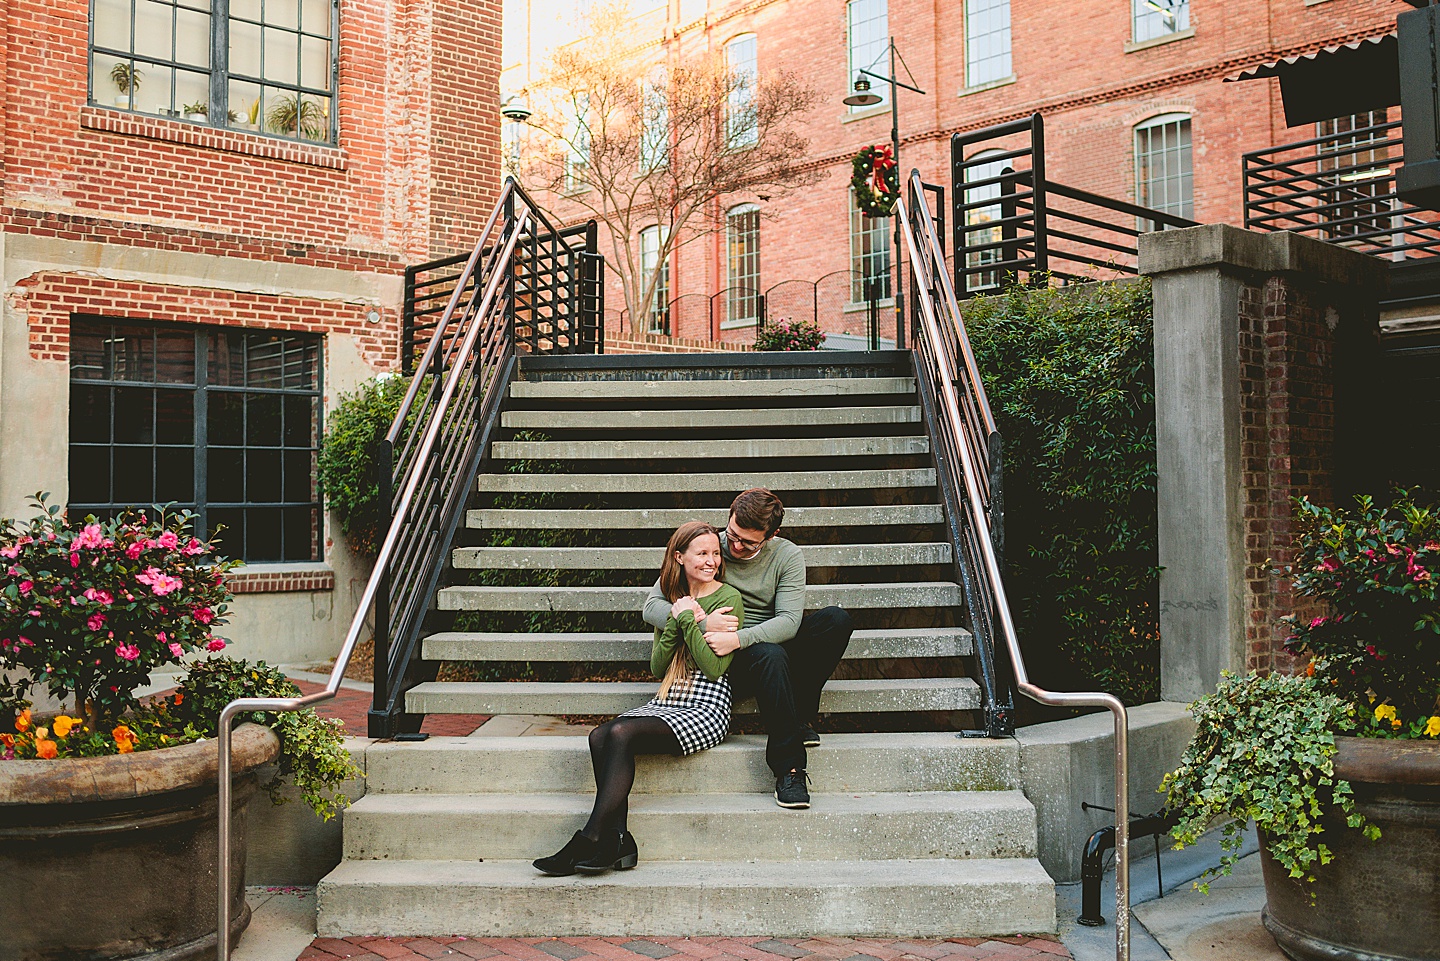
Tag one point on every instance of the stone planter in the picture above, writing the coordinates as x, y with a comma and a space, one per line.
1378, 900
115, 857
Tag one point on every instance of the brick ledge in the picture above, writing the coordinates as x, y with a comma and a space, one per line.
235, 141
281, 580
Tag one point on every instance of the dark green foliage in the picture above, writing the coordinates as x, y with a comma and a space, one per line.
347, 465
1070, 376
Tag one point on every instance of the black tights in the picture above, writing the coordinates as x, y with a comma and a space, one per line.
613, 746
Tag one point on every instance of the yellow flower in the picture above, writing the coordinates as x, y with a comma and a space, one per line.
1432, 726
1385, 712
63, 725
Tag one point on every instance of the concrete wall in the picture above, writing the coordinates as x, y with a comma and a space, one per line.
1065, 763
288, 843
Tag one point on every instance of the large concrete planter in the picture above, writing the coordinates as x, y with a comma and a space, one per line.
1378, 900
115, 857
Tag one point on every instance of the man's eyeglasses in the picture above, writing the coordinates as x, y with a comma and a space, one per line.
744, 545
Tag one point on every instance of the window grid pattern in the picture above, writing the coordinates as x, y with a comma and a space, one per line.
742, 289
223, 423
1164, 180
742, 127
869, 29
869, 254
659, 316
1359, 172
982, 215
1159, 18
275, 71
987, 41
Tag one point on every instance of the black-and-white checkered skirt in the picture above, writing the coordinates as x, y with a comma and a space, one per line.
698, 711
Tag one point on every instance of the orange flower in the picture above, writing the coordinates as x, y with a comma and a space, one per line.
46, 749
124, 739
63, 724
179, 698
7, 739
22, 723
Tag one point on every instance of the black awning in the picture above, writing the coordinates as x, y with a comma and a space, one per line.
1336, 81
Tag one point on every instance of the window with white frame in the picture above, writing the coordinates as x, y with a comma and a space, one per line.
656, 271
1354, 156
267, 66
869, 30
742, 127
742, 275
1159, 18
577, 147
869, 255
1164, 180
654, 122
987, 41
990, 182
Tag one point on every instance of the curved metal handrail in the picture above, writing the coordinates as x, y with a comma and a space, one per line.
927, 264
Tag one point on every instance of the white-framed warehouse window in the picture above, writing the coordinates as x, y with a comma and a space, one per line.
869, 255
1164, 179
1154, 19
651, 266
869, 39
742, 127
742, 267
985, 237
987, 41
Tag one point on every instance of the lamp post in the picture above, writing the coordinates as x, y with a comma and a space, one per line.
864, 97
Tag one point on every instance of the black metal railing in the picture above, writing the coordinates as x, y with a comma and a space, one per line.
1012, 224
1339, 187
966, 445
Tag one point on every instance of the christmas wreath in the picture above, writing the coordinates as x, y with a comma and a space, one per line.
875, 180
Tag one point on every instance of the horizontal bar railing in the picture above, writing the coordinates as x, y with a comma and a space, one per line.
963, 416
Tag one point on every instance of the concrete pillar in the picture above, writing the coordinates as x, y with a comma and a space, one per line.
1251, 399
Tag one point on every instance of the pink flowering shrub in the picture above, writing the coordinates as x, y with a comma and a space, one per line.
785, 334
1378, 644
89, 608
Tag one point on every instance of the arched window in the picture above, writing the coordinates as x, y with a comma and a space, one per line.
657, 271
869, 35
742, 128
742, 275
1164, 180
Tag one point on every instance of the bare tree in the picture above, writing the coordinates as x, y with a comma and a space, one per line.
636, 143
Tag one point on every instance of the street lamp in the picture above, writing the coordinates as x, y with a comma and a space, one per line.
863, 96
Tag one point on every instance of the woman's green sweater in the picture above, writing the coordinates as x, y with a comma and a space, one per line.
684, 630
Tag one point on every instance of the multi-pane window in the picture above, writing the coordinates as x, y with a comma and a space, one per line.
577, 147
987, 41
1159, 18
988, 240
869, 22
262, 65
1163, 177
654, 123
869, 255
656, 271
742, 243
222, 422
742, 126
1354, 158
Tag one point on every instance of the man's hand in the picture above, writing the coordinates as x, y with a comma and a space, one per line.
723, 642
721, 619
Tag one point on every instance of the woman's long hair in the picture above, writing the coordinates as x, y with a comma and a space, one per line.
675, 585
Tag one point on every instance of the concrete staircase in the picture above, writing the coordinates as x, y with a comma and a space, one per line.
913, 831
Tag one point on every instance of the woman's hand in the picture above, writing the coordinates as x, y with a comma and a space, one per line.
687, 603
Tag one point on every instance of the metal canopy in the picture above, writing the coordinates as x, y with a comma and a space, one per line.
1335, 81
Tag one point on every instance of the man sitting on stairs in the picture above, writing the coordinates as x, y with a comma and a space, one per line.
783, 657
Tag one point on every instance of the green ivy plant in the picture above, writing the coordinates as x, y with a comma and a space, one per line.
348, 464
1264, 751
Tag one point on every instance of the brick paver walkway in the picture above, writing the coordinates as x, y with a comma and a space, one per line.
683, 949
351, 706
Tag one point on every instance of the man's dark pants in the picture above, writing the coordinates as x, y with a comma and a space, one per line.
786, 680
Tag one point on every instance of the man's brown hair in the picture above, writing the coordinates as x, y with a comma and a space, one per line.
758, 509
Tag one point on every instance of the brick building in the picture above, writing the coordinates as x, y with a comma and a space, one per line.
1132, 93
207, 210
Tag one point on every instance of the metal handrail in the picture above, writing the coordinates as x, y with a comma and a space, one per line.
514, 227
927, 266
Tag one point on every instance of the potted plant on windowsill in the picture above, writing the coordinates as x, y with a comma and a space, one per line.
198, 112
293, 115
116, 790
126, 78
1338, 767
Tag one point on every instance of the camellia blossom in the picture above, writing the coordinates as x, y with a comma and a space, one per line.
193, 548
1317, 622
176, 649
168, 540
135, 550
95, 621
203, 614
26, 587
158, 581
127, 652
215, 644
99, 596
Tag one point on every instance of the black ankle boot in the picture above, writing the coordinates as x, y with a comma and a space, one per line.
615, 850
562, 863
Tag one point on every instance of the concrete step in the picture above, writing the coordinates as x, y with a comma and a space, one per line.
730, 482
727, 827
851, 596
599, 647
723, 449
912, 898
739, 421
598, 697
843, 763
669, 518
649, 558
692, 389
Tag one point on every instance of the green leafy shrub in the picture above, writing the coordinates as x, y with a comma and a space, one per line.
784, 334
348, 464
1070, 377
1264, 751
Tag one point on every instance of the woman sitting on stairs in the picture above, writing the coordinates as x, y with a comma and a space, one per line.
691, 711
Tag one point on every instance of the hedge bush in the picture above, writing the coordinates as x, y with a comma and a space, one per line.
348, 460
1071, 380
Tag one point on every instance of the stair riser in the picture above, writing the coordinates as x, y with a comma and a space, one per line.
648, 558
850, 596
579, 390
772, 835
669, 518
710, 449
865, 645
737, 421
912, 762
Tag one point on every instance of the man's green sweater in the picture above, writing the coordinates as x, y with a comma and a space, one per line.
772, 584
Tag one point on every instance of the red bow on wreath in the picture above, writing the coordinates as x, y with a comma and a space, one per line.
882, 160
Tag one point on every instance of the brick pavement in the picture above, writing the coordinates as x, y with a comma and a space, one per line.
351, 707
684, 949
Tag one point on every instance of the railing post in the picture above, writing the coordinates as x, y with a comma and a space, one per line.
407, 325
380, 723
509, 267
1037, 170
